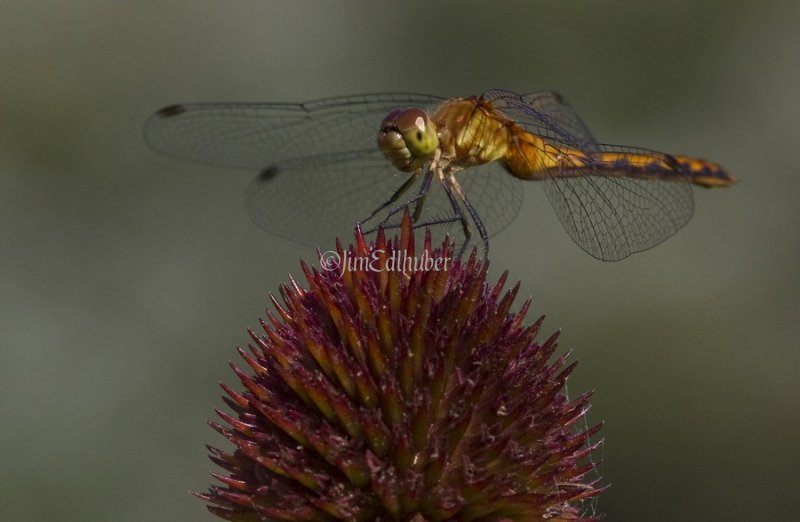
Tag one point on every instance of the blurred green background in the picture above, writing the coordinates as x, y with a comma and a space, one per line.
127, 279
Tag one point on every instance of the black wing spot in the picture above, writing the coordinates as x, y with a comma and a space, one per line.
171, 111
267, 174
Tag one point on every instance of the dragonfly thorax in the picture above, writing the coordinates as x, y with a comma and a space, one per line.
408, 138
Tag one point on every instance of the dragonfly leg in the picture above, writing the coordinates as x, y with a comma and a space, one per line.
451, 185
423, 192
394, 197
417, 200
462, 196
457, 195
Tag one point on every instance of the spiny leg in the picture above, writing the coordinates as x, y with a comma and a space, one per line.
394, 197
457, 212
423, 192
449, 183
462, 196
417, 200
456, 196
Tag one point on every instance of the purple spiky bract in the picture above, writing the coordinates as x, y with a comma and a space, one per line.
391, 392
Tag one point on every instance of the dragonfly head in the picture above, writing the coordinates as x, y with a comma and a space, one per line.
408, 138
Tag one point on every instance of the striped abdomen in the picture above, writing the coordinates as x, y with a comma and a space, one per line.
531, 157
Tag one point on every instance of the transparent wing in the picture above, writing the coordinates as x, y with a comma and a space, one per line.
611, 211
323, 170
496, 195
258, 135
613, 214
311, 203
546, 114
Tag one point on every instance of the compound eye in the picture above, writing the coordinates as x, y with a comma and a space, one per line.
408, 139
418, 132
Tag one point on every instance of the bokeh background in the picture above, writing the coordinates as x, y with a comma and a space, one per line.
127, 279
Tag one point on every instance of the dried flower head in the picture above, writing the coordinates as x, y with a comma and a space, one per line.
389, 391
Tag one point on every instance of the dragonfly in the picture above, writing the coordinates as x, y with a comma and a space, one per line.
454, 163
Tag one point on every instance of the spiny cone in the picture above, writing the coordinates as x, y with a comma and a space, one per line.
389, 392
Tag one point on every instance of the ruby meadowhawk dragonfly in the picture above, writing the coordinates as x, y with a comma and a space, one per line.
456, 164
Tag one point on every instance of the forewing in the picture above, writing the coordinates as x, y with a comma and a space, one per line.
313, 204
322, 172
259, 135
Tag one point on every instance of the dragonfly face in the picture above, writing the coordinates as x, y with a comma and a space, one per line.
323, 172
408, 139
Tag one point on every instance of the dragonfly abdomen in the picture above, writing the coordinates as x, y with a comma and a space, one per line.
656, 165
529, 157
641, 165
705, 173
